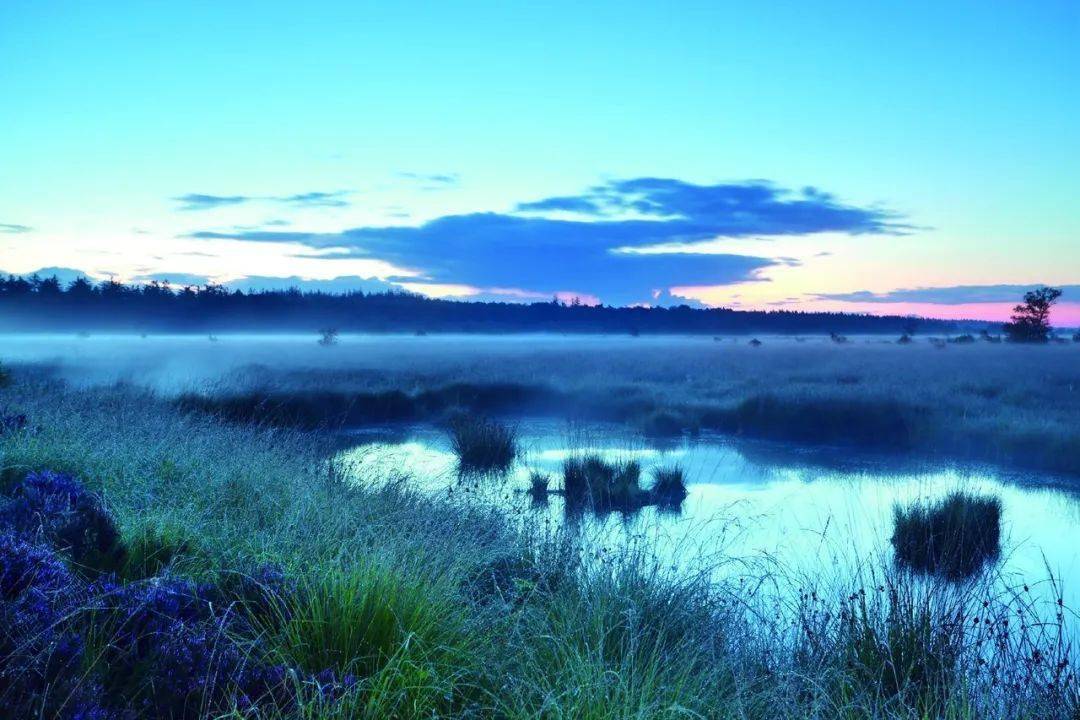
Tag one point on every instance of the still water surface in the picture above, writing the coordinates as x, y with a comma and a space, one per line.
810, 512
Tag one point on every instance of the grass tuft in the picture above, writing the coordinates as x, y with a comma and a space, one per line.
953, 537
590, 481
669, 486
482, 444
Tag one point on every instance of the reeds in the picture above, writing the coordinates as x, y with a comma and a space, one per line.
482, 444
954, 537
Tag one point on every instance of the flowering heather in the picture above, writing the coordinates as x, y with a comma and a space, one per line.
60, 509
40, 651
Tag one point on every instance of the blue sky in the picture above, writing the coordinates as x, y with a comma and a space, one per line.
928, 145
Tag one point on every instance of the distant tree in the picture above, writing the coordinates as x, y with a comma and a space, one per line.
1031, 319
329, 336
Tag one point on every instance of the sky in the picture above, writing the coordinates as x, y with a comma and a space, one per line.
858, 156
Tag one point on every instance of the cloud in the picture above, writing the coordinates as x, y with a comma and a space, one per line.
952, 295
172, 278
65, 275
14, 228
432, 181
200, 201
343, 284
599, 254
314, 199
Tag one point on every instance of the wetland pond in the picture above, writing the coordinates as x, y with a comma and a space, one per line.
808, 512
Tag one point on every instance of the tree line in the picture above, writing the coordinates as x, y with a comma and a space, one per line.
45, 304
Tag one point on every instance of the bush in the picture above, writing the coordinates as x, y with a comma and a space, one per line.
954, 537
482, 444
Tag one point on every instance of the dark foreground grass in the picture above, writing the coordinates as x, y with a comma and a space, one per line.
954, 537
380, 603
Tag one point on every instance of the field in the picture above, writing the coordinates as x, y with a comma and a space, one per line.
295, 591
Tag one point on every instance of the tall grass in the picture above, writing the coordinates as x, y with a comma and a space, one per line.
591, 481
396, 588
955, 536
482, 444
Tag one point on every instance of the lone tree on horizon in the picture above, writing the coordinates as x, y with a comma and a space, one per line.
1031, 319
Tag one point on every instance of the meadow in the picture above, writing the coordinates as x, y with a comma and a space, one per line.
180, 542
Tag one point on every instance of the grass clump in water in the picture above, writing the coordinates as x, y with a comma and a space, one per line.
538, 485
954, 537
669, 486
482, 444
594, 482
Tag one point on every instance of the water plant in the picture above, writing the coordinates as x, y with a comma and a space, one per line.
669, 486
539, 483
591, 481
953, 537
482, 444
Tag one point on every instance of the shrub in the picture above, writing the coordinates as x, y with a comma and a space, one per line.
838, 339
5, 376
593, 482
68, 516
905, 339
482, 444
953, 537
755, 343
965, 339
669, 487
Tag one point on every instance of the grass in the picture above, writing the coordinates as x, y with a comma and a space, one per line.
590, 481
865, 422
390, 584
482, 444
539, 484
954, 537
669, 486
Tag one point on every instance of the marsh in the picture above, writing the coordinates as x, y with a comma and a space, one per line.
360, 470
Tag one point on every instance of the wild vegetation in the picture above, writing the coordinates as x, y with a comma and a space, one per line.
954, 537
166, 564
482, 444
997, 402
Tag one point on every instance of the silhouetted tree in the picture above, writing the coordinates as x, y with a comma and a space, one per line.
1031, 319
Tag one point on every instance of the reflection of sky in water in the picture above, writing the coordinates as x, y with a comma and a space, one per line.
806, 513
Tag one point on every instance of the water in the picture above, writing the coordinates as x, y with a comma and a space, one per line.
810, 513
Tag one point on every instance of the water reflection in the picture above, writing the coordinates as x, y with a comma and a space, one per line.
807, 512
